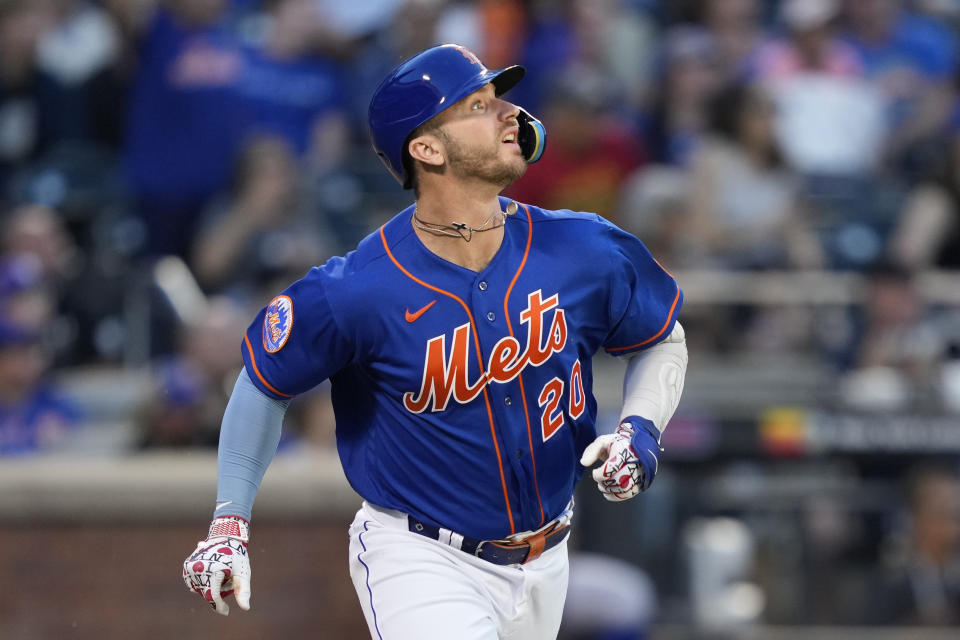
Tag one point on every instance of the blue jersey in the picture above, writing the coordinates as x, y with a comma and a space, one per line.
288, 97
184, 124
464, 398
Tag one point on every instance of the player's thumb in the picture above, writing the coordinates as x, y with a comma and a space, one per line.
241, 591
596, 450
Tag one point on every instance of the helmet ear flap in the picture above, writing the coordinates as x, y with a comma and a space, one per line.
532, 137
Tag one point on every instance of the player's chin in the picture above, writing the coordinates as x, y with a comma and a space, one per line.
512, 171
515, 160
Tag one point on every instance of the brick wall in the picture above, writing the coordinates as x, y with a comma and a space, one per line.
104, 581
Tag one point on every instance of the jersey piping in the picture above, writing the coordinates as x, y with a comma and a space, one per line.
253, 362
523, 393
476, 339
676, 299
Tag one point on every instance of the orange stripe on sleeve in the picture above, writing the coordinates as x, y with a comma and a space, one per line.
666, 324
253, 363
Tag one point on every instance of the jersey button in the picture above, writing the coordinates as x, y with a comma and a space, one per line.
507, 401
491, 316
483, 285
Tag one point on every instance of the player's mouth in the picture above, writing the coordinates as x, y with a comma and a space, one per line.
511, 136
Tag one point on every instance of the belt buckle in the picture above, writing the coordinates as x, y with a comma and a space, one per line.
536, 545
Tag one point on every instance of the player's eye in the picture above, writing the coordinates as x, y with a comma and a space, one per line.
477, 106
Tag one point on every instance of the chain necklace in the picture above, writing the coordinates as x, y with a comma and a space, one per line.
461, 229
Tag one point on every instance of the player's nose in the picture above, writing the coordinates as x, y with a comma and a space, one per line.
508, 110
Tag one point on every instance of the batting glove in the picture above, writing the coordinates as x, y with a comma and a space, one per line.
631, 458
219, 566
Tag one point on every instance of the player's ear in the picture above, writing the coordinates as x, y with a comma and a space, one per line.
428, 149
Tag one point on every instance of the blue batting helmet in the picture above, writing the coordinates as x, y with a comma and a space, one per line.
424, 86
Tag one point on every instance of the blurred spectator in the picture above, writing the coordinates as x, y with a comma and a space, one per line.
549, 46
655, 206
590, 152
921, 583
913, 60
56, 78
897, 348
493, 29
738, 32
835, 539
744, 212
614, 36
34, 416
40, 270
26, 297
27, 97
78, 53
947, 11
363, 36
184, 122
131, 18
811, 46
265, 231
414, 28
61, 104
830, 119
64, 288
180, 411
621, 41
744, 204
688, 79
346, 22
928, 231
191, 388
309, 424
37, 233
291, 91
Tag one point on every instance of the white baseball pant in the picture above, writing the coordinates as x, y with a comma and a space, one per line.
414, 588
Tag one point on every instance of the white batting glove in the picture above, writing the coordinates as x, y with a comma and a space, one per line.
219, 566
631, 458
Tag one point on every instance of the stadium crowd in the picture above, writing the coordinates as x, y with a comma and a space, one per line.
167, 166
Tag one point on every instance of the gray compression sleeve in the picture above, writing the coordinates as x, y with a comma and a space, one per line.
249, 436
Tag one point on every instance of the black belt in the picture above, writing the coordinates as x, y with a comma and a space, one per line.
502, 552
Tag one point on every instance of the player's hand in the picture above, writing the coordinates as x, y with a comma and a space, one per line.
219, 566
631, 458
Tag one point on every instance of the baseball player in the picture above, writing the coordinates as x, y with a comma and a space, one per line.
458, 340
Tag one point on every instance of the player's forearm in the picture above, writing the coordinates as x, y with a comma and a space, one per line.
654, 379
249, 436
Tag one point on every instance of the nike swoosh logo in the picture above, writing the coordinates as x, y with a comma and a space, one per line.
413, 317
656, 462
223, 504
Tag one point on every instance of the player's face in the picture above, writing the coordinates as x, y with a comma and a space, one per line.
480, 138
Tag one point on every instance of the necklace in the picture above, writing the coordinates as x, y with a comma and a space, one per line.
461, 229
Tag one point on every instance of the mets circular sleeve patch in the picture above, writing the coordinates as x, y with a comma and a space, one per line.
277, 323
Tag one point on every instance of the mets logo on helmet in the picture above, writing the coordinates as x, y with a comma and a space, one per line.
469, 55
277, 323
